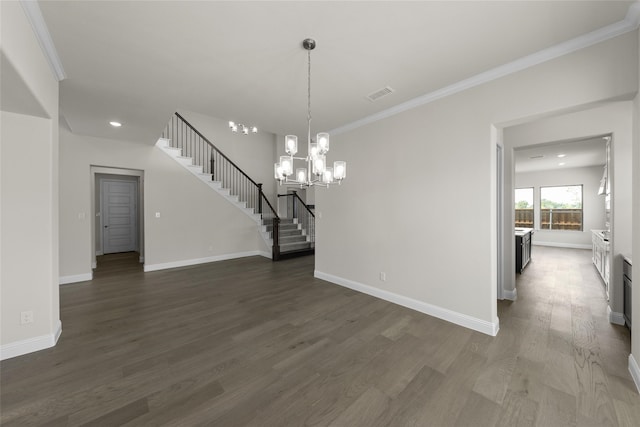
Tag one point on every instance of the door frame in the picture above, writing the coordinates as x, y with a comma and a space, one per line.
500, 220
96, 221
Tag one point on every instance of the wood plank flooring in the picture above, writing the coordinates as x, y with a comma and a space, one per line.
249, 342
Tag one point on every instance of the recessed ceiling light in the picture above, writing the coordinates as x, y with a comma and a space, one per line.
561, 164
115, 124
561, 155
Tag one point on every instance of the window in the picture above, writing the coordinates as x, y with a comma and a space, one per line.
561, 208
524, 207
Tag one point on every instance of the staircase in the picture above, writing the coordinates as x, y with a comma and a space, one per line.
207, 178
288, 237
292, 237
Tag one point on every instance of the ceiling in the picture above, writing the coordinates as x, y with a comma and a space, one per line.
580, 153
139, 61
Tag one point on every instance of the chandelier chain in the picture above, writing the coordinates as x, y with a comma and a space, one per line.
309, 86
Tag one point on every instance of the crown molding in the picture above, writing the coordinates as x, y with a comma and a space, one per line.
630, 23
633, 15
34, 15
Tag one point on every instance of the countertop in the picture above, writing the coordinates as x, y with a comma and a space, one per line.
520, 231
603, 234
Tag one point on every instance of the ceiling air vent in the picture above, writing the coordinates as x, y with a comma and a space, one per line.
380, 93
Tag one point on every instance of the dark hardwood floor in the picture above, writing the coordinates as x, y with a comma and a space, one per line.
251, 342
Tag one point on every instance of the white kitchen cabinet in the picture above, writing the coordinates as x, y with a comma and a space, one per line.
601, 255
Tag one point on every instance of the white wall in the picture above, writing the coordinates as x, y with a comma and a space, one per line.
195, 224
429, 220
634, 358
592, 203
614, 118
29, 187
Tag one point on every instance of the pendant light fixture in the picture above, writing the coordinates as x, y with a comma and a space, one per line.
316, 171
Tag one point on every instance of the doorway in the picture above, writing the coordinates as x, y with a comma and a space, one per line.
118, 212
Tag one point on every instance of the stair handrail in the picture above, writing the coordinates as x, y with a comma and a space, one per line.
295, 194
214, 146
261, 198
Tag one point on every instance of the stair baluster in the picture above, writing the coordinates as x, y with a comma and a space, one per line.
208, 161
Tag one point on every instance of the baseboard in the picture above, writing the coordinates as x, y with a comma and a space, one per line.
634, 370
615, 318
423, 307
94, 265
64, 280
141, 259
511, 295
562, 245
30, 345
188, 262
99, 253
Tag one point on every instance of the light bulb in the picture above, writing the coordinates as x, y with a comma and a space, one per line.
287, 165
301, 175
319, 165
327, 177
339, 170
291, 144
277, 172
323, 142
314, 151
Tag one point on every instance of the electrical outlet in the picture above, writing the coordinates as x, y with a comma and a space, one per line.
26, 317
383, 276
157, 214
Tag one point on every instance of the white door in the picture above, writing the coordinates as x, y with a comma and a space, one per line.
119, 216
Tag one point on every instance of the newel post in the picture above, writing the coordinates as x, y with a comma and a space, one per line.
275, 256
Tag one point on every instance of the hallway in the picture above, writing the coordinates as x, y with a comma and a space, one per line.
569, 351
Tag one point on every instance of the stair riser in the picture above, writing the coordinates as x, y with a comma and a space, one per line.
292, 239
282, 222
294, 247
282, 229
284, 233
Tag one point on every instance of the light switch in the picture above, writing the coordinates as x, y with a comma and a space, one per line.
157, 214
81, 215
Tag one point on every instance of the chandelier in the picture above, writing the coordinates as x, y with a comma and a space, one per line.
316, 171
244, 129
